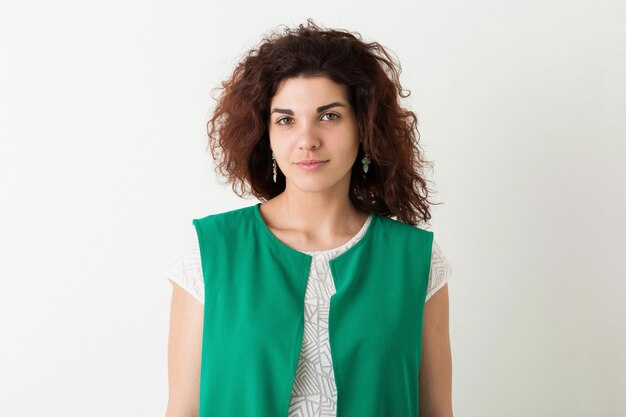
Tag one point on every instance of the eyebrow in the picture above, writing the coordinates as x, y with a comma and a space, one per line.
319, 109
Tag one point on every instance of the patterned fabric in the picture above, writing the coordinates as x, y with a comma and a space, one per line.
314, 392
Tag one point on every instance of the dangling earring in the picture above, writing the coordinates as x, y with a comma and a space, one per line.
274, 166
366, 162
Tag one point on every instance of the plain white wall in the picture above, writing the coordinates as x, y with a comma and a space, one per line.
103, 164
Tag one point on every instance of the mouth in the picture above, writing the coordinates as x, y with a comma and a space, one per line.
311, 163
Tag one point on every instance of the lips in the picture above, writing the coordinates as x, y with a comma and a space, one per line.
311, 164
310, 161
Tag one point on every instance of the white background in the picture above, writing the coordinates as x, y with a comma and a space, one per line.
103, 164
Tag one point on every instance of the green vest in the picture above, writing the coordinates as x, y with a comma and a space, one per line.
254, 317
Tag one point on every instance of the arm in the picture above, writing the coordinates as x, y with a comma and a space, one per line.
184, 354
435, 374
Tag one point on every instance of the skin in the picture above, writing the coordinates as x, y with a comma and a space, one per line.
313, 213
435, 374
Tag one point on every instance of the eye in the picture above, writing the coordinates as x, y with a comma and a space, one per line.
332, 114
278, 122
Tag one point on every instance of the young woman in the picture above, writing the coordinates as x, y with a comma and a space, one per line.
327, 298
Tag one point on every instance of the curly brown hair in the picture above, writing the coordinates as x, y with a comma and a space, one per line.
238, 129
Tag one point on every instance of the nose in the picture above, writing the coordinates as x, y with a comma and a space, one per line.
308, 137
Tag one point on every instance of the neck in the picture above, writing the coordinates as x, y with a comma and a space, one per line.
323, 214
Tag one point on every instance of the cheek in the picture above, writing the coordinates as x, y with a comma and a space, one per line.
348, 144
281, 150
275, 140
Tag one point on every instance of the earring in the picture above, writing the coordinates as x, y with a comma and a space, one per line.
274, 166
366, 162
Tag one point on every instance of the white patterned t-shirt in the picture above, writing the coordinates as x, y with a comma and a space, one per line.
314, 393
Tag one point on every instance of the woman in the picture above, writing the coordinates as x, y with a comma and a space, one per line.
310, 124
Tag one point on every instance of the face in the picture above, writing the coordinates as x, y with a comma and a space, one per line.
311, 119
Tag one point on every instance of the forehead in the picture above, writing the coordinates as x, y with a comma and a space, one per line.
304, 91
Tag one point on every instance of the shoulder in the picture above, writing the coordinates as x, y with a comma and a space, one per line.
186, 270
226, 219
399, 228
441, 267
225, 216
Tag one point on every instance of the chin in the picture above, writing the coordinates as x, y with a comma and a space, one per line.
316, 185
312, 188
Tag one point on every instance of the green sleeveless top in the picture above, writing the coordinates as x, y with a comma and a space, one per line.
254, 317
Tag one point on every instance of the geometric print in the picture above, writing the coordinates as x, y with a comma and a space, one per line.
314, 393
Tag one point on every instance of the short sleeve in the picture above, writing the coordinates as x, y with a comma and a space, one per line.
440, 270
186, 270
